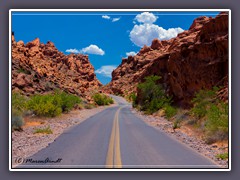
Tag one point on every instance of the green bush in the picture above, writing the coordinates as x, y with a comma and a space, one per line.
131, 97
170, 111
46, 130
176, 124
151, 97
222, 156
68, 101
102, 99
214, 114
19, 103
216, 125
45, 105
52, 105
17, 120
201, 101
110, 100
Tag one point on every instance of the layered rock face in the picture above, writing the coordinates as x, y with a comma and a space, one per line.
38, 68
196, 59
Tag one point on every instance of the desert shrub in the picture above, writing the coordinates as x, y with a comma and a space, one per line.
45, 105
52, 105
46, 130
132, 96
68, 101
102, 99
17, 120
213, 112
170, 111
151, 96
19, 103
176, 124
110, 100
201, 102
99, 99
216, 125
153, 106
222, 156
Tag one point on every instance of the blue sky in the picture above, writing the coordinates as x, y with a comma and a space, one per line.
105, 36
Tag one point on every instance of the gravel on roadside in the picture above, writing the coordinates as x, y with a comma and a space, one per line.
26, 143
194, 142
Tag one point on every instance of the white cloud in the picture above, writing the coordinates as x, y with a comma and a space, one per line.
116, 19
106, 70
72, 51
143, 34
132, 53
93, 49
110, 18
105, 17
146, 17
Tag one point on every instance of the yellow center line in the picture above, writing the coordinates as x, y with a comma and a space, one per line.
113, 159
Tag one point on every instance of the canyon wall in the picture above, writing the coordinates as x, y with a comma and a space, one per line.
196, 59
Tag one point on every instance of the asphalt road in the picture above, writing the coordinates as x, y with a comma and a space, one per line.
116, 138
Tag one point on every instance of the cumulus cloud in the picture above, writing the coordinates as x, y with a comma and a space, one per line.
143, 34
93, 49
132, 53
105, 17
146, 17
116, 19
106, 70
72, 51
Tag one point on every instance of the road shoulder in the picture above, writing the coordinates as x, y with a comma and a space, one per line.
26, 143
196, 144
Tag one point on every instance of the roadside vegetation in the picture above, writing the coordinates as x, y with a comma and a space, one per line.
47, 105
223, 156
208, 115
50, 105
151, 98
102, 99
212, 113
46, 130
19, 104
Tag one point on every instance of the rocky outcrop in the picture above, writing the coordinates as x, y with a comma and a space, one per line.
196, 59
39, 68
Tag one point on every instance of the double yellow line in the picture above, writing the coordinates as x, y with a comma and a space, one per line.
113, 159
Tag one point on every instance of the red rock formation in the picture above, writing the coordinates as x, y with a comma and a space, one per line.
38, 68
196, 59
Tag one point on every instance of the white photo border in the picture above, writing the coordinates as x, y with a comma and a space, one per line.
118, 10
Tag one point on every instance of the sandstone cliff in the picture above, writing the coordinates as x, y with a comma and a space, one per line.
38, 68
196, 59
